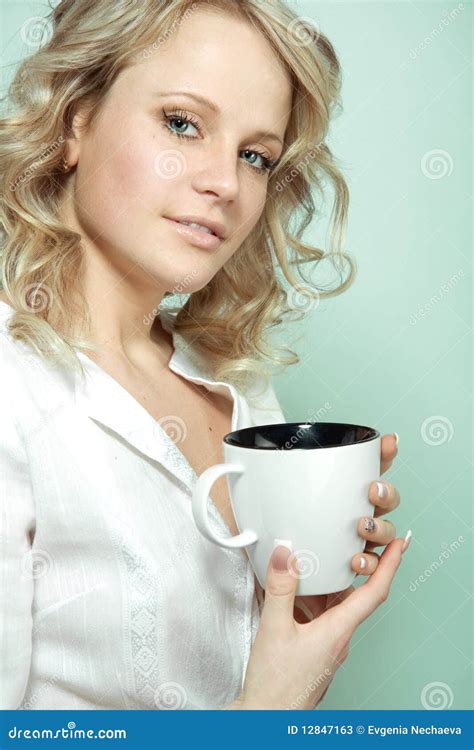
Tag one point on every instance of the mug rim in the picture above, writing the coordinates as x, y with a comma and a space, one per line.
229, 440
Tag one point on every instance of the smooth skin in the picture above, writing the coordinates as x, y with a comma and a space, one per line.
291, 664
139, 163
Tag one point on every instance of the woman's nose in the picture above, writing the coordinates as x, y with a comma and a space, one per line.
218, 175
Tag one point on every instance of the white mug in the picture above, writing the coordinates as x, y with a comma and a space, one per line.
301, 484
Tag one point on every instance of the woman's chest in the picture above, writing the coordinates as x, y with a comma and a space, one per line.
196, 419
207, 418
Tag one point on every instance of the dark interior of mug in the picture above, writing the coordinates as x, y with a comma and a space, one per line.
289, 435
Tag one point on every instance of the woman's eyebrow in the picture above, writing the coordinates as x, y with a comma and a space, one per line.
214, 108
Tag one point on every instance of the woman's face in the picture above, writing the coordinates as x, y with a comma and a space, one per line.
134, 169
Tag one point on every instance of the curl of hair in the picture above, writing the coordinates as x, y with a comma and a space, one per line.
230, 319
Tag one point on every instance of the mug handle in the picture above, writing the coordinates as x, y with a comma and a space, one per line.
200, 512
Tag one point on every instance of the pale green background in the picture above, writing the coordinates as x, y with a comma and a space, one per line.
369, 356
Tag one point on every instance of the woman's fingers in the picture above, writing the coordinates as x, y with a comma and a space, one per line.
365, 563
388, 451
384, 496
364, 600
376, 530
280, 590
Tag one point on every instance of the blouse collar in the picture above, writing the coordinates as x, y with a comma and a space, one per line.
102, 398
99, 396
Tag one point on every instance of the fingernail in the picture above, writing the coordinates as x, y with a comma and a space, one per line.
381, 489
407, 541
396, 438
280, 555
362, 562
369, 524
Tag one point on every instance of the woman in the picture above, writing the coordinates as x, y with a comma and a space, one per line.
112, 597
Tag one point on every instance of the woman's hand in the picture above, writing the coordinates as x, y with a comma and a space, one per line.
291, 664
309, 607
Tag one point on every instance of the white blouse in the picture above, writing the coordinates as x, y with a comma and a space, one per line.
110, 597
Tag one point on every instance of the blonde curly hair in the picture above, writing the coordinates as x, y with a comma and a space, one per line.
229, 319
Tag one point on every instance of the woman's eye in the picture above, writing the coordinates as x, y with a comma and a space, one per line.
265, 163
184, 122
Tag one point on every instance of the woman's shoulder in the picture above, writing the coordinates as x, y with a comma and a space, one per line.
13, 390
27, 379
13, 353
10, 354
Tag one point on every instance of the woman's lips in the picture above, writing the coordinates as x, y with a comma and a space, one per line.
197, 237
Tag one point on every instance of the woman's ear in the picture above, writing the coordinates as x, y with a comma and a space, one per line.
76, 132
